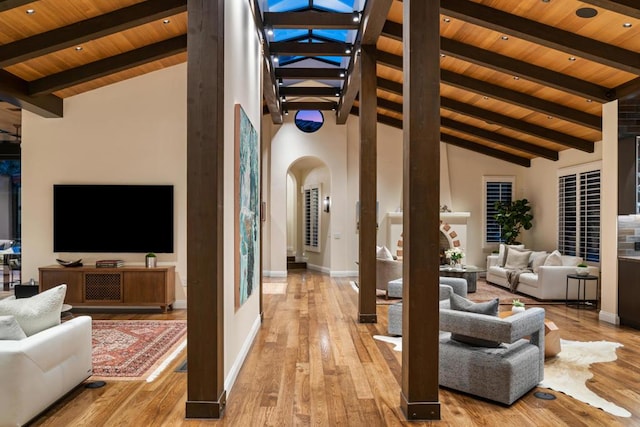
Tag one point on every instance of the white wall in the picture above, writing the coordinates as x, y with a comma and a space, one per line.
133, 132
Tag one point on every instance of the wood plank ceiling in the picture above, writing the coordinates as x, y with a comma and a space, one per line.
519, 79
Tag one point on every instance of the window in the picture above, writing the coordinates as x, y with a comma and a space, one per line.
496, 189
579, 212
309, 120
311, 232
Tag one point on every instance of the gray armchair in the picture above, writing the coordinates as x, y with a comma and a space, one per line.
503, 373
386, 271
448, 286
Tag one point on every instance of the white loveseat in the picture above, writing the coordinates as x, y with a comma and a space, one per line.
549, 282
38, 370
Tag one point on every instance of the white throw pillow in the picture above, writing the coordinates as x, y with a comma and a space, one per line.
384, 253
502, 252
537, 261
517, 259
554, 258
10, 329
37, 313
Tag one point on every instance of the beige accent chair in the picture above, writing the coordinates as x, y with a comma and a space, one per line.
386, 271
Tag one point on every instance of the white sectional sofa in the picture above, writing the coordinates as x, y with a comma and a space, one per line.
38, 370
548, 282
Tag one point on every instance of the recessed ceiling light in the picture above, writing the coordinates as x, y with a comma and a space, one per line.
442, 55
356, 17
572, 58
549, 117
166, 21
275, 59
627, 25
30, 11
347, 51
516, 78
485, 97
447, 20
586, 12
342, 74
505, 37
270, 31
546, 1
589, 100
78, 48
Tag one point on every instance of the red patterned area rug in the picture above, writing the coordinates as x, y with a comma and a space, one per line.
135, 349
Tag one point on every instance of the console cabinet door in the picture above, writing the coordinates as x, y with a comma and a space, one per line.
629, 293
73, 279
145, 287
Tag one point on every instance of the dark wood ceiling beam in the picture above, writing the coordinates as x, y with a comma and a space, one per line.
108, 66
623, 7
309, 91
487, 151
512, 66
310, 19
310, 49
14, 90
311, 105
90, 29
544, 35
630, 88
269, 85
12, 4
373, 17
494, 137
504, 94
517, 125
310, 73
521, 99
500, 139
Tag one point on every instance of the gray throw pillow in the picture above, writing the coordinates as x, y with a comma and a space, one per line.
488, 307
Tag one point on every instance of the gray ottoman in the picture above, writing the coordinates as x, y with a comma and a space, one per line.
394, 326
394, 288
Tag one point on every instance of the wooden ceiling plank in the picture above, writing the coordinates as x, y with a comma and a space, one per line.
545, 35
311, 73
309, 105
309, 49
108, 66
518, 98
14, 91
89, 29
517, 125
390, 121
488, 151
309, 91
373, 17
310, 19
507, 95
623, 7
12, 4
513, 66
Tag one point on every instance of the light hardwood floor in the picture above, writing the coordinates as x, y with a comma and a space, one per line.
313, 364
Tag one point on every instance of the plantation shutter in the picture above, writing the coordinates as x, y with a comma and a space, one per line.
312, 218
589, 247
567, 217
496, 191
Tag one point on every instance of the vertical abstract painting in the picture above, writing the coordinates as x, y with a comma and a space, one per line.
247, 207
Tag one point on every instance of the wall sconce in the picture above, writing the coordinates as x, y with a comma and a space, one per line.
326, 204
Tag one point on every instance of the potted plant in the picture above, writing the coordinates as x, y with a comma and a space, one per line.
512, 218
150, 260
582, 269
517, 306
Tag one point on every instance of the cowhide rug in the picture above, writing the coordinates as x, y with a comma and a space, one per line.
568, 372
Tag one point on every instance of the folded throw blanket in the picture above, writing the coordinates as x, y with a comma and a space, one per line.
513, 277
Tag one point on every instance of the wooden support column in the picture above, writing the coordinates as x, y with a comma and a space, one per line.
421, 192
368, 190
205, 190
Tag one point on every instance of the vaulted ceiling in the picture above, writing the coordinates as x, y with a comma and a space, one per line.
519, 79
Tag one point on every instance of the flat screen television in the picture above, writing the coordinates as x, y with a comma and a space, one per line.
113, 218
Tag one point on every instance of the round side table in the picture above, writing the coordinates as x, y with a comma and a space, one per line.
582, 280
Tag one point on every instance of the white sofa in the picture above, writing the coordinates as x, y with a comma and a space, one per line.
549, 283
38, 370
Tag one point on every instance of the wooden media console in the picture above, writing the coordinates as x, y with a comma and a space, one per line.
121, 286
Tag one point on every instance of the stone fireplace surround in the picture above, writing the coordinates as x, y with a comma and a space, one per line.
453, 231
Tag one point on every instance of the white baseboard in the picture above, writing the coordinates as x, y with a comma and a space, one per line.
319, 268
345, 273
612, 318
267, 273
237, 364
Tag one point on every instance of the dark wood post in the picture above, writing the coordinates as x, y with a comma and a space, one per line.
205, 190
368, 190
421, 192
